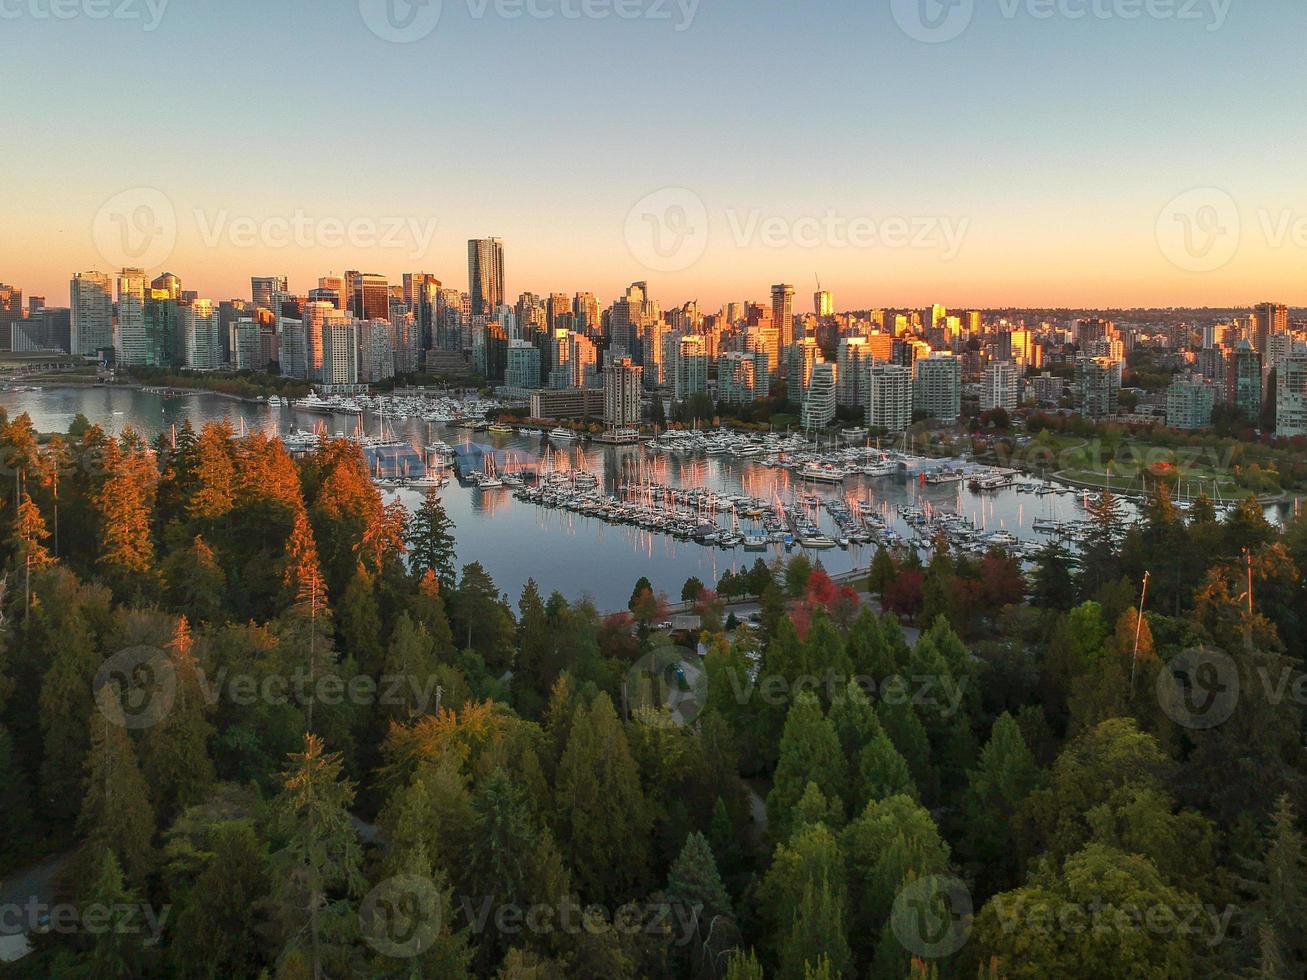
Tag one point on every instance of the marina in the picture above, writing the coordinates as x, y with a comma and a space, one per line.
589, 517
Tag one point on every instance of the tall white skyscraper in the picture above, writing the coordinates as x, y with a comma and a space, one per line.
201, 328
91, 302
889, 397
130, 345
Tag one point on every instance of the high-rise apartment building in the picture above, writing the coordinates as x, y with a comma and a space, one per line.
1291, 396
804, 355
889, 397
937, 387
485, 274
819, 401
523, 371
854, 361
1000, 387
690, 373
1243, 388
1269, 320
340, 344
1189, 402
623, 382
1098, 386
91, 302
782, 313
201, 332
823, 304
130, 345
737, 376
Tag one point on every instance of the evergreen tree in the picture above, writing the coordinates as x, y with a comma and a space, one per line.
318, 869
1280, 890
817, 938
358, 622
694, 886
744, 966
482, 621
219, 925
66, 707
174, 751
533, 673
1006, 775
115, 953
809, 752
410, 658
600, 809
1099, 556
430, 540
1053, 585
116, 815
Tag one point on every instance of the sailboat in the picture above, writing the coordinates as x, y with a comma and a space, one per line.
489, 479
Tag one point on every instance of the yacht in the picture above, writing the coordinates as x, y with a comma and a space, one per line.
563, 435
821, 474
489, 479
313, 403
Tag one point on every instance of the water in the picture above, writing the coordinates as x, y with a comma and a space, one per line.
563, 551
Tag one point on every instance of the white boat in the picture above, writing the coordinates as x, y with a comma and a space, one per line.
489, 480
312, 403
563, 435
821, 474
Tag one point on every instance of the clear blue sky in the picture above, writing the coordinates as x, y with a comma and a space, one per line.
1059, 142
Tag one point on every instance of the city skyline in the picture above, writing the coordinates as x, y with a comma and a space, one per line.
958, 132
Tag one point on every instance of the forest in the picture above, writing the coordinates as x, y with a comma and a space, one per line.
268, 726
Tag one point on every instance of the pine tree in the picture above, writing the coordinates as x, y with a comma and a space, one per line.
430, 542
602, 818
321, 857
1100, 556
1053, 586
881, 773
533, 674
693, 884
358, 622
66, 707
817, 936
410, 656
116, 815
809, 752
1280, 887
115, 953
174, 751
1006, 776
29, 537
744, 966
219, 927
214, 474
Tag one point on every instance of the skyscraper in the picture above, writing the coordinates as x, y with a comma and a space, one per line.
937, 388
782, 313
130, 346
264, 288
823, 304
622, 384
485, 274
1269, 320
371, 297
91, 301
889, 397
200, 328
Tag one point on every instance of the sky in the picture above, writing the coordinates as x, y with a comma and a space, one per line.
904, 152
